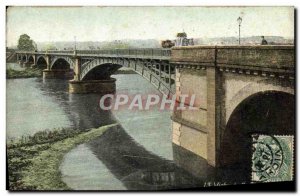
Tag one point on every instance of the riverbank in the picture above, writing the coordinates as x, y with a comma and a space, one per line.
33, 162
26, 73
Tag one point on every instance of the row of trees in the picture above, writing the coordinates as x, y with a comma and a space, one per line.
26, 43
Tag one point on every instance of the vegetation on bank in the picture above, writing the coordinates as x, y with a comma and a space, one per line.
33, 161
26, 73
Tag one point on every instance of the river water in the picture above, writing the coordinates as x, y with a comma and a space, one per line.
135, 155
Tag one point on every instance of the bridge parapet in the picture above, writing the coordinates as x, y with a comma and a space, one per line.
275, 58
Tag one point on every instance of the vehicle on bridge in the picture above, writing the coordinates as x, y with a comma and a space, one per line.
181, 40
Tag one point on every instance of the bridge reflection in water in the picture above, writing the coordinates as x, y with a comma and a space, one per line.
130, 162
137, 168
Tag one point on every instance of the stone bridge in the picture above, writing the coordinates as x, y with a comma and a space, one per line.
240, 91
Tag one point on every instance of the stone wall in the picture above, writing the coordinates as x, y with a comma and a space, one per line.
222, 77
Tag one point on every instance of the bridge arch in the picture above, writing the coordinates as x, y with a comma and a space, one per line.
30, 59
61, 63
269, 113
103, 68
102, 71
256, 87
41, 62
24, 58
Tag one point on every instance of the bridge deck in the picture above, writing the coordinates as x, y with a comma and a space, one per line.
155, 53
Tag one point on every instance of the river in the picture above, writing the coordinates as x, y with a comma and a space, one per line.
135, 155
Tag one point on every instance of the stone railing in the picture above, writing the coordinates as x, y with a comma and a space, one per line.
267, 56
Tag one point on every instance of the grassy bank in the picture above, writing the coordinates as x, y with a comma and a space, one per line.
26, 73
34, 162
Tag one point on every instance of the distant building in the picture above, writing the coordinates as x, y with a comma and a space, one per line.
263, 41
182, 40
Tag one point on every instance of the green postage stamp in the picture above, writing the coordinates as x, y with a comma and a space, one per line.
272, 158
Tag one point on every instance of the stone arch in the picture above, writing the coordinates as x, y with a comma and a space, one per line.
40, 57
62, 63
268, 113
256, 87
41, 62
24, 58
31, 59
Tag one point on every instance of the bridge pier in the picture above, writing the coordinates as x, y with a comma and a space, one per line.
51, 73
78, 86
93, 86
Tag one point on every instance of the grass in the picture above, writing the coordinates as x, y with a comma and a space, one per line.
27, 73
36, 166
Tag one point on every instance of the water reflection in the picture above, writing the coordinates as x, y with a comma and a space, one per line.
124, 157
29, 110
81, 109
130, 163
136, 155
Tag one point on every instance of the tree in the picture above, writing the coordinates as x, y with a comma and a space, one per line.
25, 43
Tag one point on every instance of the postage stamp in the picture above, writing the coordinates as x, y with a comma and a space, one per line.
272, 158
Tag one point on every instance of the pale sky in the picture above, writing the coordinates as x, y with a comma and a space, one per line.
44, 24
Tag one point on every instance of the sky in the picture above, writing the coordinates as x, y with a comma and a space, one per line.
47, 24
